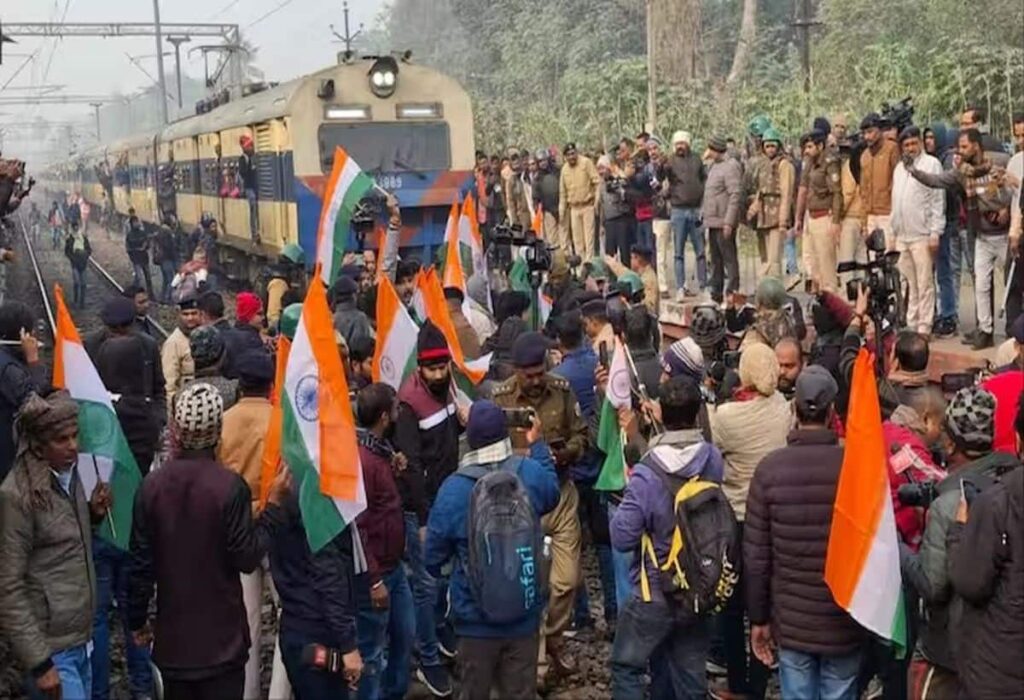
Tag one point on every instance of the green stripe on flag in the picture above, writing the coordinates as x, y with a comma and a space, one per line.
320, 517
100, 434
609, 441
361, 184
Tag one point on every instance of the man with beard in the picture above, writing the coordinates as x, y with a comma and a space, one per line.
176, 354
791, 362
427, 432
552, 400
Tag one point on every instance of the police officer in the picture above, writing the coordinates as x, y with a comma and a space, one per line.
821, 179
552, 400
770, 211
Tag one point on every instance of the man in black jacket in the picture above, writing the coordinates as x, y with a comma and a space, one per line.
192, 535
21, 372
136, 242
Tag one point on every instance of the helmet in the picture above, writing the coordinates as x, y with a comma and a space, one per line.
631, 281
758, 125
771, 134
294, 254
707, 325
289, 322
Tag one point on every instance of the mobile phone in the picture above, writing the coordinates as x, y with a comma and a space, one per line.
603, 353
519, 417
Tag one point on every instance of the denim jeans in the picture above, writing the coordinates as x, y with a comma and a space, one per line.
817, 677
75, 674
648, 633
789, 250
254, 213
686, 226
424, 594
78, 286
140, 274
945, 278
167, 271
112, 566
385, 640
746, 674
645, 237
621, 563
606, 569
307, 682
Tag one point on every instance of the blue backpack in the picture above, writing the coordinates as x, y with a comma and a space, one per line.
505, 570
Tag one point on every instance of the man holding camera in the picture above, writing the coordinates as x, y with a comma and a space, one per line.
918, 218
552, 400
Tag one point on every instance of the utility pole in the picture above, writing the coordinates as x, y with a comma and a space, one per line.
160, 62
804, 25
348, 37
177, 41
652, 81
96, 106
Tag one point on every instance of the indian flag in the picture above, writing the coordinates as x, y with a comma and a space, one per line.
395, 354
104, 454
454, 275
271, 459
546, 304
431, 300
863, 564
346, 186
318, 430
609, 435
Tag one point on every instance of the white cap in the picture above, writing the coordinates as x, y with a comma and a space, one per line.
604, 161
682, 137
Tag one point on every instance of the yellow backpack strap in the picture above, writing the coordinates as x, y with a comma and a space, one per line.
690, 489
646, 549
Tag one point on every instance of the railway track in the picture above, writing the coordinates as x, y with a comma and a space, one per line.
40, 259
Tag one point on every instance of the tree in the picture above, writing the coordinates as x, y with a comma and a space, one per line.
745, 45
676, 33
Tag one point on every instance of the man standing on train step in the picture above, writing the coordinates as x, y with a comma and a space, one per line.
247, 172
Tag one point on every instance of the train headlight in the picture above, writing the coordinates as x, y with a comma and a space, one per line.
384, 76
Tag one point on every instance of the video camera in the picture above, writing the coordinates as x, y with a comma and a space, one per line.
919, 494
882, 278
616, 185
899, 115
368, 212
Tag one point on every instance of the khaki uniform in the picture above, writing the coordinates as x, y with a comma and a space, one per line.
516, 205
578, 198
851, 238
176, 362
823, 180
560, 417
772, 210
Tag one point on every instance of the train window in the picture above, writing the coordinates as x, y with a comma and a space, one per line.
388, 146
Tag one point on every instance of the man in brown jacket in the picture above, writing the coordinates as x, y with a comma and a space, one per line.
877, 163
785, 543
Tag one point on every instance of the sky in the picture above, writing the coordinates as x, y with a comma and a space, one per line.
292, 41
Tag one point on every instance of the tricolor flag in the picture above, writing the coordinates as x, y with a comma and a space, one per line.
103, 450
863, 562
469, 236
395, 353
319, 434
546, 304
454, 275
272, 442
618, 394
429, 301
346, 186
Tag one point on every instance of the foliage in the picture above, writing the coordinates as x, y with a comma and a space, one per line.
548, 71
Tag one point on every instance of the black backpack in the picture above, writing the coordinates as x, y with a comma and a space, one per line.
505, 563
705, 557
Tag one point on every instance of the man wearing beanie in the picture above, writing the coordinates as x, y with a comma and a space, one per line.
686, 175
192, 535
209, 353
427, 433
970, 430
723, 193
551, 398
500, 657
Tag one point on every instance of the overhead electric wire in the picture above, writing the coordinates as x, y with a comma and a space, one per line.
280, 6
31, 57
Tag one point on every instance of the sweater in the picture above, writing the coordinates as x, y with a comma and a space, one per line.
785, 544
722, 194
918, 211
686, 176
382, 524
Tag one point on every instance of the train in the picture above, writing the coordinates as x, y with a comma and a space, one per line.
409, 126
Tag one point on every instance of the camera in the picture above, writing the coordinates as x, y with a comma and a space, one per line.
537, 253
919, 494
616, 185
899, 115
882, 278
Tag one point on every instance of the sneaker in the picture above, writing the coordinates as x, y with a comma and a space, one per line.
982, 341
437, 679
968, 338
446, 642
944, 328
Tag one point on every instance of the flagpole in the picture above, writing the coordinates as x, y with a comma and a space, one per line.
110, 518
642, 389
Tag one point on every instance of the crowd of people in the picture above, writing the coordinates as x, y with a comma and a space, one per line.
701, 473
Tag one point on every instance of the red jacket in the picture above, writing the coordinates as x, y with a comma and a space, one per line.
382, 524
910, 461
1006, 387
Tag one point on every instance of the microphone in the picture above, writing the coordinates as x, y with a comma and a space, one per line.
322, 658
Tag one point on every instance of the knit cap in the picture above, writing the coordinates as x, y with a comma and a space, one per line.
431, 346
684, 357
970, 419
198, 414
206, 345
247, 305
759, 369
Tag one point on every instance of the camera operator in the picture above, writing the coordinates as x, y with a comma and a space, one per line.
563, 289
707, 328
616, 210
907, 360
776, 315
973, 467
987, 202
